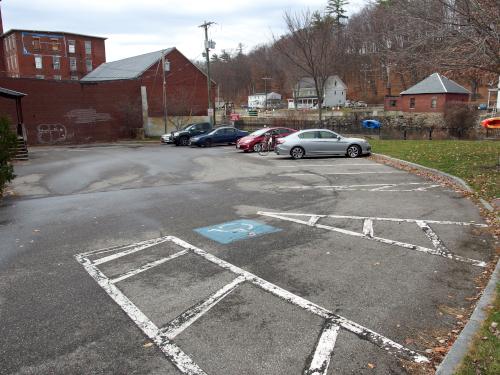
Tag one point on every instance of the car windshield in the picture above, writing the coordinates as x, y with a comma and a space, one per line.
187, 126
214, 131
258, 133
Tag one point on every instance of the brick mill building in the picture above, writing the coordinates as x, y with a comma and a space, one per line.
53, 55
430, 95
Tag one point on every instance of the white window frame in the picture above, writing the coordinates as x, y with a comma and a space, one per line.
87, 66
73, 65
88, 47
56, 66
38, 62
71, 46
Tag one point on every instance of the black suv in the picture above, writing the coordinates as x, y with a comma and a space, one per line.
181, 137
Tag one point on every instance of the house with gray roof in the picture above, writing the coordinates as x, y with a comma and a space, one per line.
305, 96
429, 95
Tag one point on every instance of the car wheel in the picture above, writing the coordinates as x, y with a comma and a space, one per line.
297, 152
208, 143
353, 151
184, 141
256, 147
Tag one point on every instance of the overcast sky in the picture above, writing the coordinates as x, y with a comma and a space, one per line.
135, 27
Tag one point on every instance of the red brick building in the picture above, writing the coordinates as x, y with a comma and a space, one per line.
430, 95
51, 54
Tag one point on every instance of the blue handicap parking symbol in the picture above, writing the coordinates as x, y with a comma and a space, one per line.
236, 230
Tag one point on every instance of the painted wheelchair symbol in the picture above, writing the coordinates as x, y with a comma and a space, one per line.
236, 228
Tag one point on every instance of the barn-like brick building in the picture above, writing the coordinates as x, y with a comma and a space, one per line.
430, 95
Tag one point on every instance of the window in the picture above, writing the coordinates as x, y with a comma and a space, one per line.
71, 46
54, 42
36, 43
393, 103
40, 76
88, 47
327, 135
56, 62
308, 135
57, 77
88, 64
74, 77
412, 103
72, 64
433, 102
38, 62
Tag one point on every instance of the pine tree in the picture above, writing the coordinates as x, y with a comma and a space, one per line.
336, 10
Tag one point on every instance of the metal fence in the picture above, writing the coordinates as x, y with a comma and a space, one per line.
385, 132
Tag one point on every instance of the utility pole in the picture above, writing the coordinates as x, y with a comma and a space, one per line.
165, 67
265, 91
209, 44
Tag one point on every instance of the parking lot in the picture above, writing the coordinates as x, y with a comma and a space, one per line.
153, 259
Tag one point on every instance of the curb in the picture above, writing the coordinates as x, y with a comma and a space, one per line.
460, 347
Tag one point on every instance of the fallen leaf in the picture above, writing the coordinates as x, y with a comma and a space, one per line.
439, 349
148, 345
371, 365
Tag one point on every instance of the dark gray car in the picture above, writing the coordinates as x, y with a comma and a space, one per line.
318, 142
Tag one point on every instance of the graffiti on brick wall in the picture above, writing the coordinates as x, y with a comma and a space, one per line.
51, 133
87, 116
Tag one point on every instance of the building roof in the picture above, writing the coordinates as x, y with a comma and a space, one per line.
308, 82
129, 68
11, 94
41, 33
436, 84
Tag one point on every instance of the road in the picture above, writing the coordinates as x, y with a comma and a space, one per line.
220, 262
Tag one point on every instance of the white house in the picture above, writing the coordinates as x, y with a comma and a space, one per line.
259, 100
304, 93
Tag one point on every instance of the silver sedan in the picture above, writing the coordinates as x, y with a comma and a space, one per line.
318, 142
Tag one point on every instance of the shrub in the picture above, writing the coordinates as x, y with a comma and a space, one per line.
460, 118
8, 142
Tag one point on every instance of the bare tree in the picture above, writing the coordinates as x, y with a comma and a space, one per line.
313, 47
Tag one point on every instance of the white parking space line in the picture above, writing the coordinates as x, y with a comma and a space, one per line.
147, 267
330, 165
435, 251
180, 359
368, 227
432, 236
339, 173
130, 250
163, 337
188, 317
324, 350
388, 187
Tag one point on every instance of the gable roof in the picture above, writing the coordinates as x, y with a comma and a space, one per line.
129, 68
436, 84
308, 82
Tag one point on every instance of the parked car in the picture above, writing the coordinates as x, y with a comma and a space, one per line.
222, 135
319, 142
361, 104
252, 141
181, 137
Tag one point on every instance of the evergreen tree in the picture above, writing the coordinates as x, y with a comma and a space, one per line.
336, 10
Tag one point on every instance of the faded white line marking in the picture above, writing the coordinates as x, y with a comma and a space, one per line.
336, 173
313, 220
183, 321
404, 187
147, 267
184, 363
387, 241
180, 359
368, 227
365, 333
432, 236
131, 249
324, 350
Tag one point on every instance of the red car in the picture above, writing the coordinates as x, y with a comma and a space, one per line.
252, 141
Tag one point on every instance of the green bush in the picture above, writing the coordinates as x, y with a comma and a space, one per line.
7, 150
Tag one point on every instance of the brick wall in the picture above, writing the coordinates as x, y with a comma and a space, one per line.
186, 88
423, 102
72, 112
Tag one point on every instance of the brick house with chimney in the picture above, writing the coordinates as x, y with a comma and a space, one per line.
430, 95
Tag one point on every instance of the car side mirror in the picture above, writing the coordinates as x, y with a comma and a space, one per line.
339, 137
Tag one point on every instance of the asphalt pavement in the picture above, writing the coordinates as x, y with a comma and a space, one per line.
149, 259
